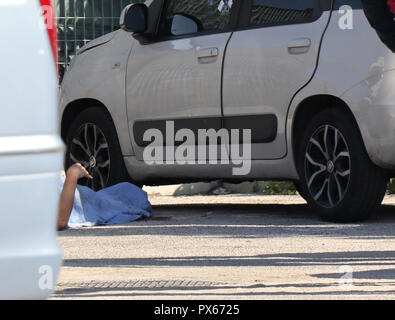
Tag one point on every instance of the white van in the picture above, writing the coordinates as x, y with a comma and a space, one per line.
31, 154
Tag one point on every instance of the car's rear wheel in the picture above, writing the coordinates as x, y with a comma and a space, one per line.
92, 141
337, 177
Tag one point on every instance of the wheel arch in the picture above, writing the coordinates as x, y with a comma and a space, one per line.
310, 107
74, 108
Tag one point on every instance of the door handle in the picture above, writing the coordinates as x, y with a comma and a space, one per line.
207, 53
299, 45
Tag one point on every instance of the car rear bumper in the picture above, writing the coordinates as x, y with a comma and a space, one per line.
30, 256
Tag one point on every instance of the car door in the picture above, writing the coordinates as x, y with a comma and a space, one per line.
175, 78
269, 58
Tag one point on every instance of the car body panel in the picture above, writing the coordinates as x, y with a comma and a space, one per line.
167, 80
278, 169
373, 104
30, 257
31, 153
99, 74
356, 74
38, 104
258, 68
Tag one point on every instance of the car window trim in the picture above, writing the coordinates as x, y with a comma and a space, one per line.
245, 15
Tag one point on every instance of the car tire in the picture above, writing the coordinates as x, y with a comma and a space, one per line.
92, 140
337, 177
299, 189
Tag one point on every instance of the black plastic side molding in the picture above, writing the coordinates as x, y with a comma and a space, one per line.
263, 127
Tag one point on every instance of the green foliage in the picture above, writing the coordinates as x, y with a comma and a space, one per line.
391, 187
280, 188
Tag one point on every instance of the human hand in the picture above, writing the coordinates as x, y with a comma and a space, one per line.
77, 171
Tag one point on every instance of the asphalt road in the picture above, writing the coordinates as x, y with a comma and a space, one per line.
231, 247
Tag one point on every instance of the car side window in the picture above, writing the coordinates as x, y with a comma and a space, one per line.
183, 17
280, 11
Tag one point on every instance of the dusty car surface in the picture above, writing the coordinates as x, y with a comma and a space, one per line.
312, 87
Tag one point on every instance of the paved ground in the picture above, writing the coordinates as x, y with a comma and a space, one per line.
231, 247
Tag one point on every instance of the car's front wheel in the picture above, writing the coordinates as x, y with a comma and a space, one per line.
337, 177
92, 141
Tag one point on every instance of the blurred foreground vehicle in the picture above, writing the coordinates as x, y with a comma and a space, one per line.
30, 153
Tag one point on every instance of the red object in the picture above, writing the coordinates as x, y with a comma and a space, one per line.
391, 3
49, 15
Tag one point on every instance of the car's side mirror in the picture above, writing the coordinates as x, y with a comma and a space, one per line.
134, 18
184, 24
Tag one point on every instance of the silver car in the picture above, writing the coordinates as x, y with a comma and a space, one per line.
296, 90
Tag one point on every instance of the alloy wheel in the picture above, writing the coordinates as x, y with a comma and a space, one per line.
327, 166
89, 147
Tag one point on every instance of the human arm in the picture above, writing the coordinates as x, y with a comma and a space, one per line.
66, 202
